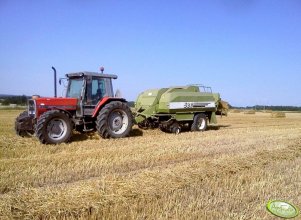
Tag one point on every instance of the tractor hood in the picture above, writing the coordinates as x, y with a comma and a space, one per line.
64, 103
44, 104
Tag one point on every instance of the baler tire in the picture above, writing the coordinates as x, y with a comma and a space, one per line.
115, 120
142, 126
164, 129
176, 130
53, 127
199, 122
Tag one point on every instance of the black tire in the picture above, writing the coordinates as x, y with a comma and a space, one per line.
171, 128
22, 116
143, 125
115, 120
199, 122
53, 127
163, 128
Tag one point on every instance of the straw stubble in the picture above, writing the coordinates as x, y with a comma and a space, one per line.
229, 173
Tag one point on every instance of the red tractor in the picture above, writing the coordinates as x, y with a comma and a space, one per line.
89, 105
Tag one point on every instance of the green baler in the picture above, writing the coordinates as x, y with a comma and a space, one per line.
173, 108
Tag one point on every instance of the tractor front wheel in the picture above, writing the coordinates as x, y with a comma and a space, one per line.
23, 125
114, 120
53, 127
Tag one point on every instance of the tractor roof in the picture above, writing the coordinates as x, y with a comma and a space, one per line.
86, 73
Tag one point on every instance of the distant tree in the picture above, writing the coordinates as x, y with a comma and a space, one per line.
19, 100
273, 108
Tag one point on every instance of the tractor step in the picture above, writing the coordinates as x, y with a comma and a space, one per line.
88, 130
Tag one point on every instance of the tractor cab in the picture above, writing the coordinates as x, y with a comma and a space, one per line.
89, 88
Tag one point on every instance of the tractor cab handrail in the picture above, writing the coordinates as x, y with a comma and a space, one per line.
206, 89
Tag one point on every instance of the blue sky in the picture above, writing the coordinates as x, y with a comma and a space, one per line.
247, 50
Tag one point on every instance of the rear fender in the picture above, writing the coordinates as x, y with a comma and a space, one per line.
103, 102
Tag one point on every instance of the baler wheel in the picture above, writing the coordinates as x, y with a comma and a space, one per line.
176, 130
162, 128
143, 125
199, 122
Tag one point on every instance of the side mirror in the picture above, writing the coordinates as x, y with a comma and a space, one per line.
62, 81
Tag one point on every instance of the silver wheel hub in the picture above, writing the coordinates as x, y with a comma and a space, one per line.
118, 121
202, 123
177, 131
56, 129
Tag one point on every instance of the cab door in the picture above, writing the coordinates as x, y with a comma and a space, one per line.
76, 89
95, 91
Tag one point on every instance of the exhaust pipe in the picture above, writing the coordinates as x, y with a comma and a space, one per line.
54, 72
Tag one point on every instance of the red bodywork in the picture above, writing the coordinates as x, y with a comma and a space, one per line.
68, 104
46, 104
99, 104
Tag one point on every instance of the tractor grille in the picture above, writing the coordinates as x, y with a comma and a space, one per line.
31, 107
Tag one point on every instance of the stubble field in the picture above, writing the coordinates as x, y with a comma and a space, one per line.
225, 173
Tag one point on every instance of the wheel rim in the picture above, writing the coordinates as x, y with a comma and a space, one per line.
177, 131
202, 123
56, 129
30, 133
118, 121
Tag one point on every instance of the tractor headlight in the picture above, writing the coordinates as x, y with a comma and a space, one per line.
31, 107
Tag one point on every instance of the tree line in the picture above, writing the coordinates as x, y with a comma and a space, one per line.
271, 107
19, 100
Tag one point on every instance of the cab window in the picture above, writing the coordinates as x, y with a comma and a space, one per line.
98, 90
75, 88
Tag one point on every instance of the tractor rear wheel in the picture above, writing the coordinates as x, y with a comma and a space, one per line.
53, 127
114, 120
199, 123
